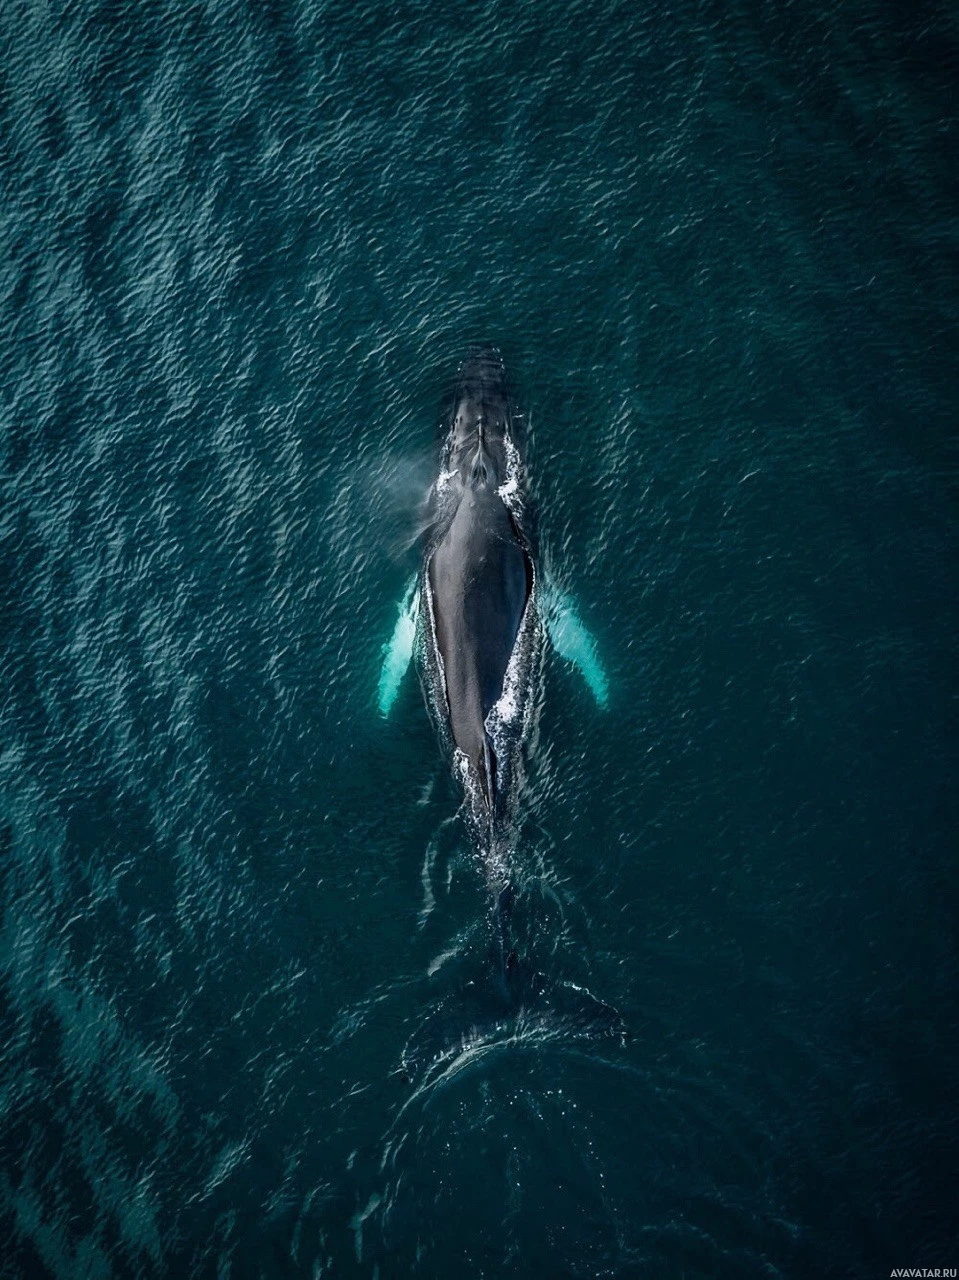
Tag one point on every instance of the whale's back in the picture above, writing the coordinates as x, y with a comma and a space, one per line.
480, 580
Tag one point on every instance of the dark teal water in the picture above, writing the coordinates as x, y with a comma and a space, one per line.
243, 248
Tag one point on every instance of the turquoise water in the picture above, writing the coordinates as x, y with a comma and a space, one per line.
245, 246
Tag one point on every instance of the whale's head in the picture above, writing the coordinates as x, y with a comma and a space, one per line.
480, 418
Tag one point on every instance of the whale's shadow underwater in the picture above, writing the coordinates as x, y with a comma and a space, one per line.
477, 616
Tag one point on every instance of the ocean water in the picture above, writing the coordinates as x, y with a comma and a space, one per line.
244, 246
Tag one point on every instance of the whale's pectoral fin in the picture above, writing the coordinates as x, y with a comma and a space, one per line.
398, 650
572, 641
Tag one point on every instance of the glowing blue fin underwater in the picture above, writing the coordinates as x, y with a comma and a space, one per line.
565, 628
398, 650
572, 641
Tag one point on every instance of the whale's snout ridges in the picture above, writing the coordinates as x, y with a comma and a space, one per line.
482, 373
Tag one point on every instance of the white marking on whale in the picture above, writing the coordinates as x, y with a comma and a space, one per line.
572, 640
398, 650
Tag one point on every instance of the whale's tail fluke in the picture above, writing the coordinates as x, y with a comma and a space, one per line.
524, 1009
507, 1002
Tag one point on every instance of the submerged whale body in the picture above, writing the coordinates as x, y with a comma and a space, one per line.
477, 614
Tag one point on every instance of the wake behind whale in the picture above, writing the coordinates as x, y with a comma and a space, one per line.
477, 616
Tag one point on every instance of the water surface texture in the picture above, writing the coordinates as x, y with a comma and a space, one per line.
244, 246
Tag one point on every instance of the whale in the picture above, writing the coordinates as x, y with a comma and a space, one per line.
479, 610
479, 615
478, 573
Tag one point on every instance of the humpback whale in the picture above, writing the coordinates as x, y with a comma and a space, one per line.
478, 573
478, 613
478, 609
